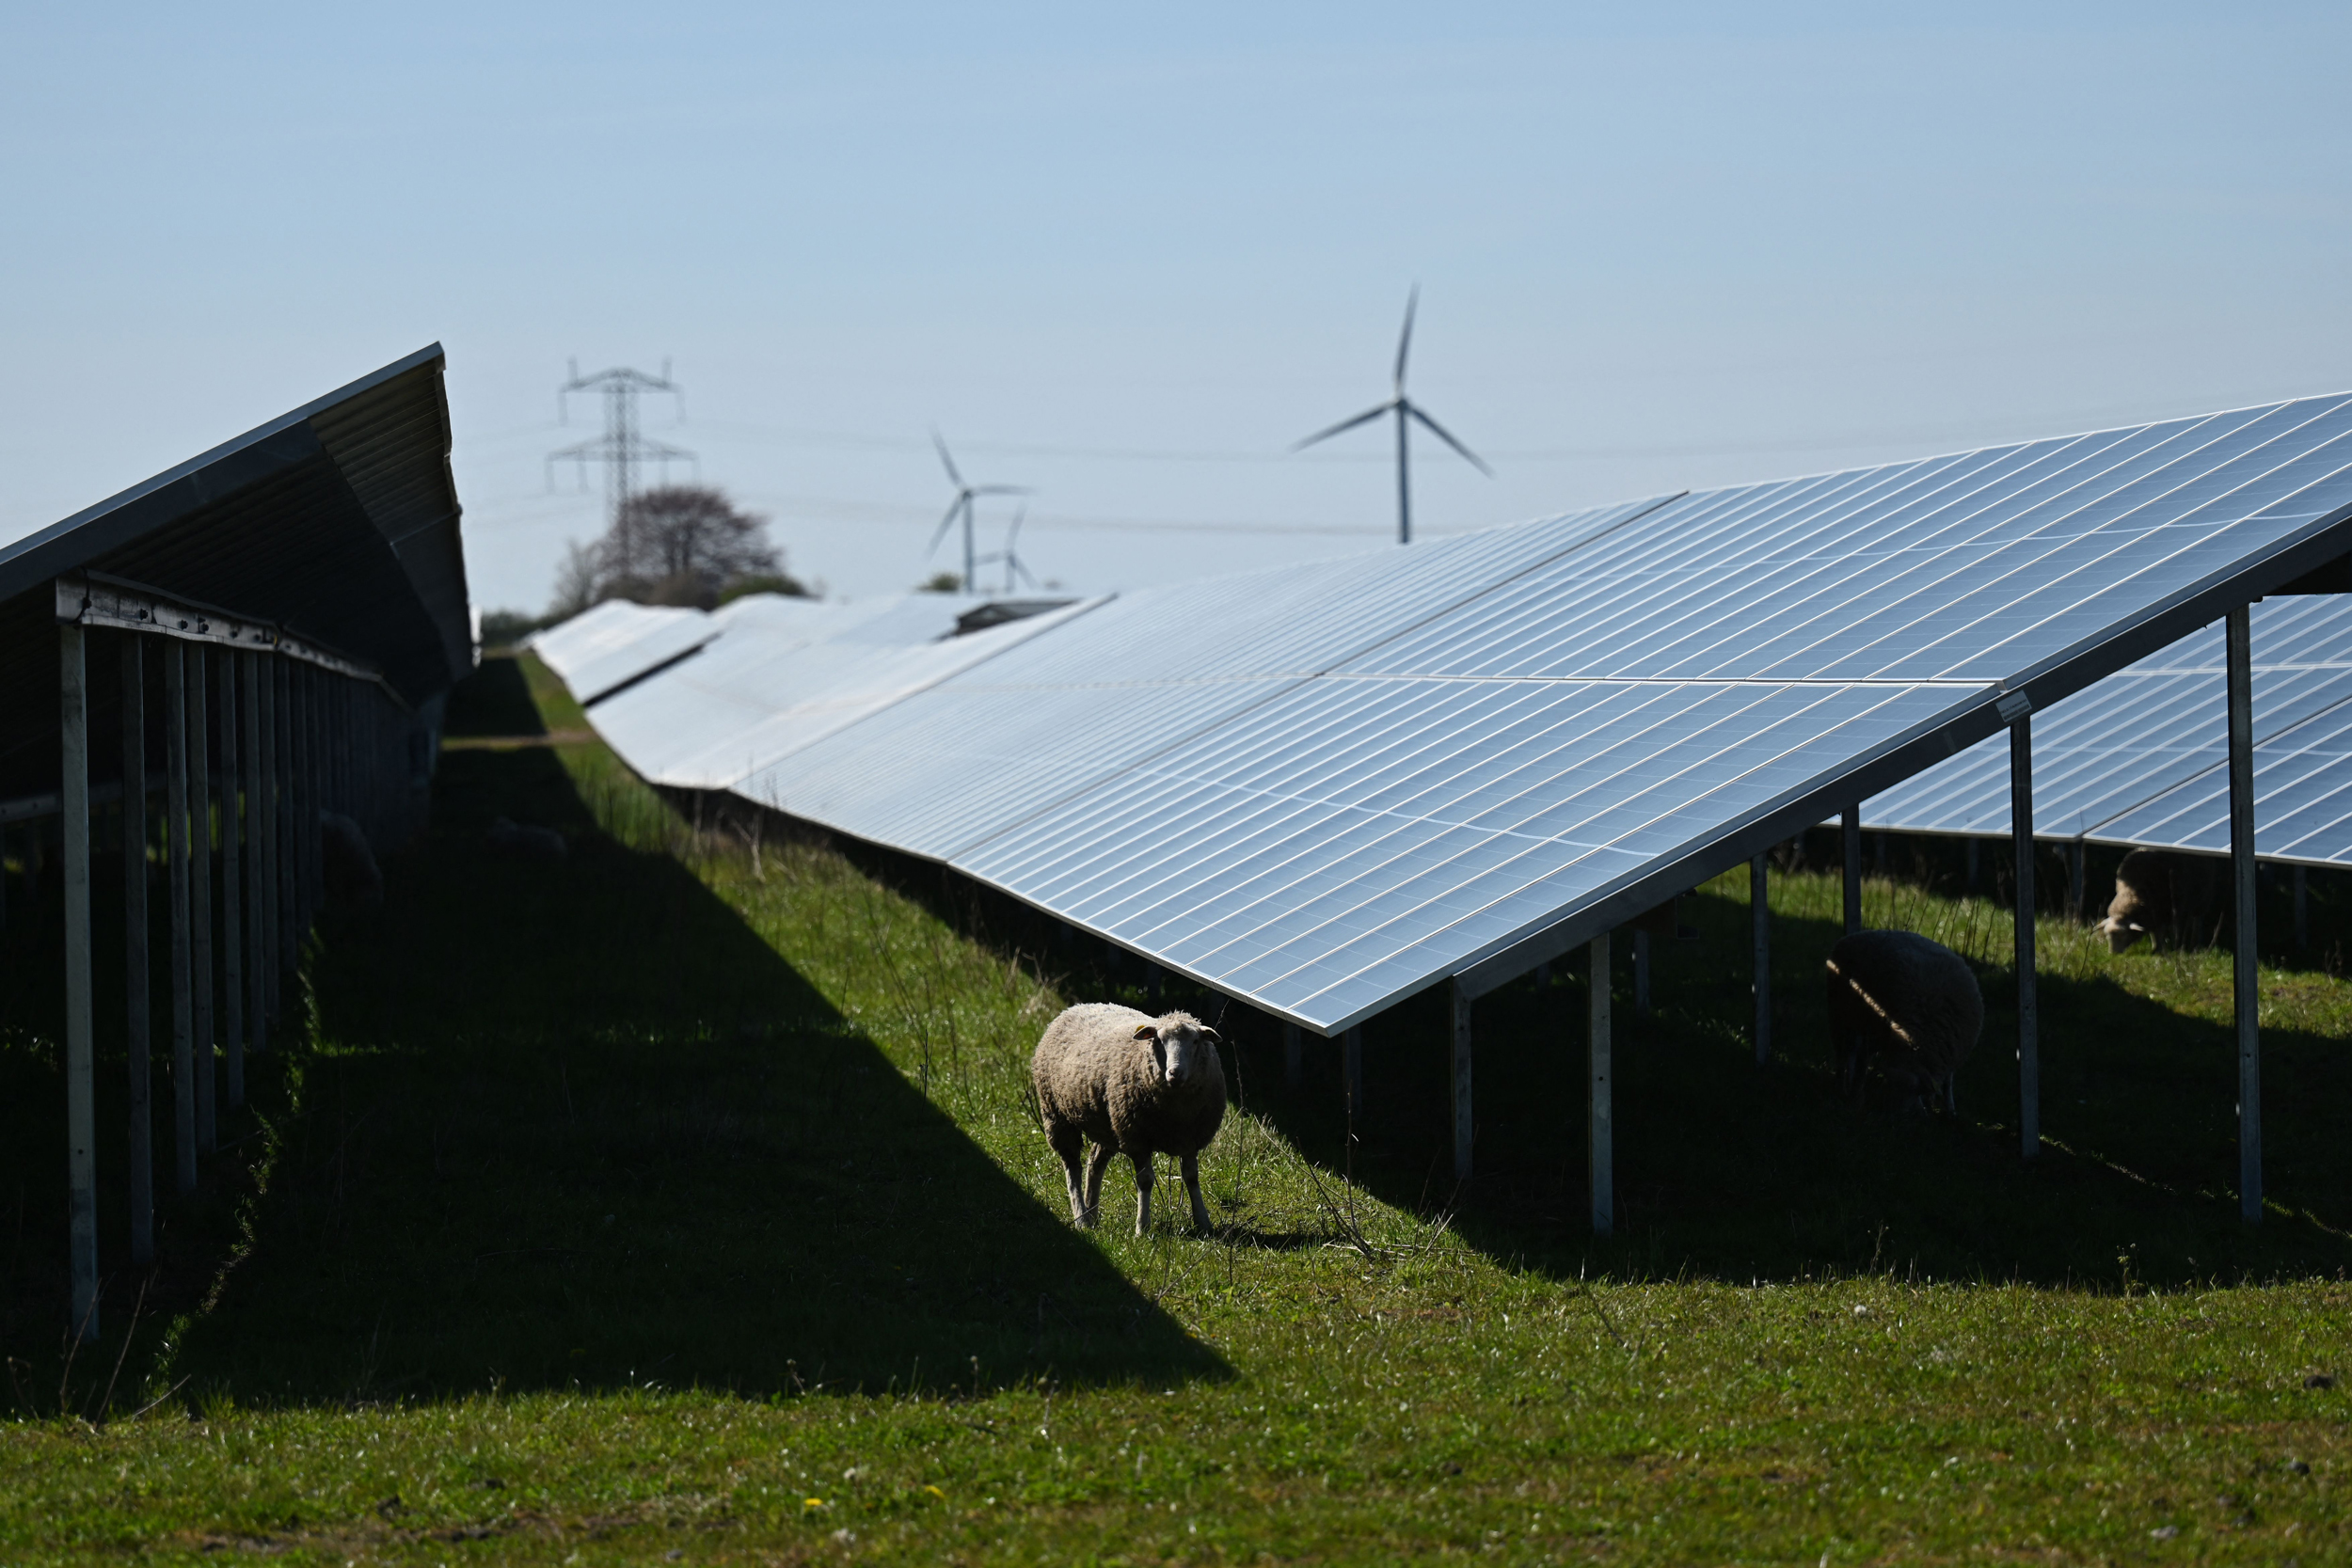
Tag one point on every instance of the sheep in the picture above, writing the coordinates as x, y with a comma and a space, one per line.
348, 865
2161, 896
1911, 1003
525, 841
1136, 1086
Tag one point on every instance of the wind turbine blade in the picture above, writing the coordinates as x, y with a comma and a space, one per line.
1000, 490
1447, 437
941, 443
1014, 532
944, 523
1026, 575
1365, 417
1404, 339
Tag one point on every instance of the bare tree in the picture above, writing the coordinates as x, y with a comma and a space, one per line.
677, 544
575, 581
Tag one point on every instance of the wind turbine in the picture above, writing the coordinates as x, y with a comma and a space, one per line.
962, 505
1405, 410
1011, 561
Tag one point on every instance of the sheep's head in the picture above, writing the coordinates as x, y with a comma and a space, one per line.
1184, 1048
2121, 934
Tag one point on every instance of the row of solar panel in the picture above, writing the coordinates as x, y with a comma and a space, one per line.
2139, 758
1322, 788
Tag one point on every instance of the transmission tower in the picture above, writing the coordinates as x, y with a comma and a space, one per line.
620, 449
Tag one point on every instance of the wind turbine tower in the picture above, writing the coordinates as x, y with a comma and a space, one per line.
961, 507
1406, 411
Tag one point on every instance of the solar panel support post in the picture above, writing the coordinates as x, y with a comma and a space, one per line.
315, 782
232, 905
2302, 914
289, 910
2021, 919
1352, 1073
200, 896
176, 859
1761, 931
1972, 848
80, 1108
1463, 1126
2074, 880
1600, 1141
134, 961
1850, 834
2245, 956
1640, 973
1292, 1068
259, 932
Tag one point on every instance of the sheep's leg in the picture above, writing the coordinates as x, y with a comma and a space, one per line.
1095, 1167
1190, 1166
1143, 1192
1067, 1143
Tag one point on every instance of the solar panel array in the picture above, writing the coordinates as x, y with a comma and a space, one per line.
2138, 757
1323, 787
606, 646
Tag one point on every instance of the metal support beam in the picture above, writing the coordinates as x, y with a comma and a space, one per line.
1463, 1126
176, 858
281, 793
1600, 1149
1352, 1073
136, 969
1850, 833
260, 876
233, 936
2244, 975
2074, 892
1640, 973
200, 895
2029, 1013
1760, 933
81, 1126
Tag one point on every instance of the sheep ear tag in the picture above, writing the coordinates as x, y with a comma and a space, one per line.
1145, 1032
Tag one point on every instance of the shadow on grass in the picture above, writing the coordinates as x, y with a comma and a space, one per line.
1726, 1171
575, 1125
1729, 1172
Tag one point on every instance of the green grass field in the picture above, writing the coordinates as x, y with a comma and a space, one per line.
682, 1202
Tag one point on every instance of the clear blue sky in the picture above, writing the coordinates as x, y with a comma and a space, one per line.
1127, 255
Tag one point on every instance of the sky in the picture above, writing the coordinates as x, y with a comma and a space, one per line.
1126, 256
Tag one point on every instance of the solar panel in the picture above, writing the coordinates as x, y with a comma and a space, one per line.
784, 673
612, 643
1324, 788
2105, 754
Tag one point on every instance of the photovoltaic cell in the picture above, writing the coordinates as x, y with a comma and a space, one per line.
1326, 786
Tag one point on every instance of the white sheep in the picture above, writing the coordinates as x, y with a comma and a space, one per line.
2167, 897
1132, 1084
1910, 1003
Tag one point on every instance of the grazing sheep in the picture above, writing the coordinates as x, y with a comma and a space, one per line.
2166, 897
348, 865
1133, 1085
1910, 1003
523, 841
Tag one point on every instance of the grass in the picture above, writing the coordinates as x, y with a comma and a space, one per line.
683, 1202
